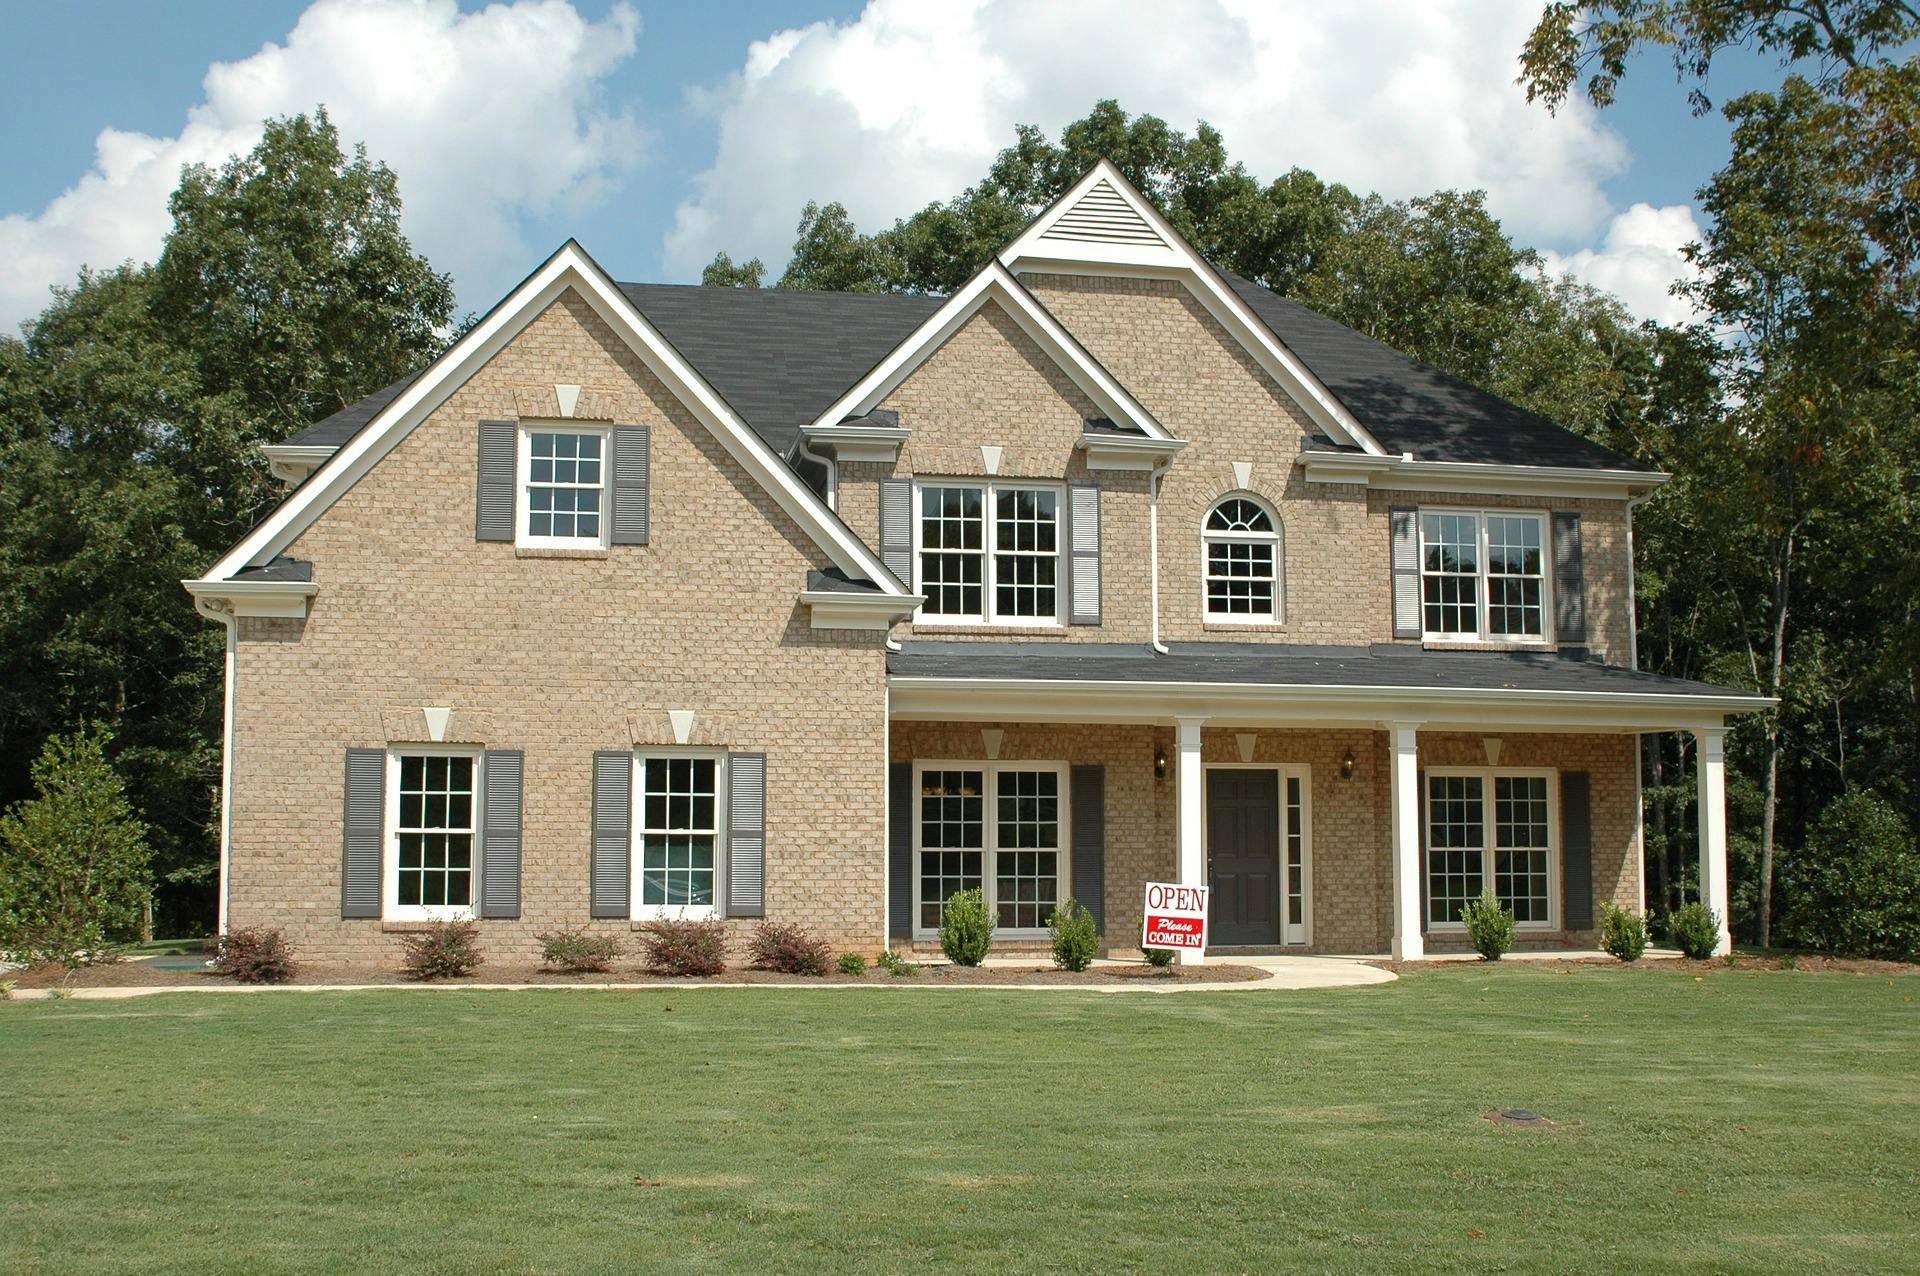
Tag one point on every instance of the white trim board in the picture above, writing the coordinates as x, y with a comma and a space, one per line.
569, 268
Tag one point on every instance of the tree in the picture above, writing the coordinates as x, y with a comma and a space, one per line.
722, 273
1856, 886
73, 859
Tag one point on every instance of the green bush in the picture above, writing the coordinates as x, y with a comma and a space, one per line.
852, 964
789, 949
1489, 926
257, 955
1158, 956
966, 929
1076, 940
677, 947
74, 861
1622, 933
1695, 929
896, 965
1855, 888
576, 952
444, 950
7, 987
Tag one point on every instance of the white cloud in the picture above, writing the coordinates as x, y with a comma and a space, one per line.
1639, 260
483, 115
910, 101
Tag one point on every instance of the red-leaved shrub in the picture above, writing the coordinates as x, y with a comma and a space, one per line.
676, 947
787, 948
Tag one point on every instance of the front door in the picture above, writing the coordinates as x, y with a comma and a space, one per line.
1243, 856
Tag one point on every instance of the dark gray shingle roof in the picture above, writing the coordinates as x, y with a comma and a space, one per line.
282, 568
1273, 664
334, 430
831, 580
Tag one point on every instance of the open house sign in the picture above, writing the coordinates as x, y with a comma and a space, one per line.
1176, 917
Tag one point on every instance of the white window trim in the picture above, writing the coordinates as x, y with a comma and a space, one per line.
390, 906
636, 835
988, 514
1486, 776
1277, 538
1482, 590
1283, 772
990, 840
523, 472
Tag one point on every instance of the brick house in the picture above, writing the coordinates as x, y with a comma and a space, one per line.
1112, 567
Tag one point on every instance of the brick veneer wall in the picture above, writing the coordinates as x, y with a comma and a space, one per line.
559, 656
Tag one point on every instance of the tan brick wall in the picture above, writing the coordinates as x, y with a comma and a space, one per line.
1350, 820
559, 657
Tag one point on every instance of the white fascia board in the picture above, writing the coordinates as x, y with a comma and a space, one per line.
1032, 251
1047, 700
993, 282
856, 442
292, 463
570, 268
282, 598
1405, 473
1122, 452
837, 609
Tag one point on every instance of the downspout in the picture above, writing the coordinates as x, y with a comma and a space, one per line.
223, 613
1154, 479
1639, 751
831, 466
1633, 596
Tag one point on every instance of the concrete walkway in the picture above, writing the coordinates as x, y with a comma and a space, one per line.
1287, 974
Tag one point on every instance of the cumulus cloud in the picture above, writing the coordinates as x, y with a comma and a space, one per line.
483, 115
1639, 260
908, 102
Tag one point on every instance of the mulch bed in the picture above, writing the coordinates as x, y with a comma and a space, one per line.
141, 974
1749, 963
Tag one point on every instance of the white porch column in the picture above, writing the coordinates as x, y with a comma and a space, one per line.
1713, 829
1403, 774
1190, 792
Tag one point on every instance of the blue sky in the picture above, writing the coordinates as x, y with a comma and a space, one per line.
655, 133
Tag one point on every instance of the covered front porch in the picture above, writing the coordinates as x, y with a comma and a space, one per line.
1329, 808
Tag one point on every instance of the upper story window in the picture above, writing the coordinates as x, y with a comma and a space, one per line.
431, 824
1242, 542
563, 487
1483, 575
989, 553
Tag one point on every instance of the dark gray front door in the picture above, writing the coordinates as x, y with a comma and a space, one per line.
1243, 856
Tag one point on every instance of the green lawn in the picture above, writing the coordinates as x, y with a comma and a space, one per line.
1747, 1121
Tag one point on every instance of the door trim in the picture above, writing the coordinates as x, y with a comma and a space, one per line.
1282, 771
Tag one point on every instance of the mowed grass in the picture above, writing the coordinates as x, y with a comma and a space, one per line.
1762, 1121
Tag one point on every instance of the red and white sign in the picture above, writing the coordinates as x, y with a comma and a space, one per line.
1176, 917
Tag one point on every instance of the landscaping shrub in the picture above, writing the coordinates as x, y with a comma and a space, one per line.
1622, 933
966, 929
670, 947
575, 952
1695, 929
445, 950
1158, 956
787, 948
852, 964
1489, 926
7, 987
73, 858
1855, 887
896, 965
1076, 941
257, 955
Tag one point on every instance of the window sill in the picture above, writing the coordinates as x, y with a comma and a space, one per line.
416, 925
1244, 626
560, 551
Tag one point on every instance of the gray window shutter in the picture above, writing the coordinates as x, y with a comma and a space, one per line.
1576, 850
501, 772
1084, 527
631, 499
1406, 571
1569, 583
612, 834
900, 850
364, 821
1087, 807
493, 506
746, 835
896, 527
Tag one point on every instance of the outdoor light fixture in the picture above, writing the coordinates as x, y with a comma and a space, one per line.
1346, 766
1159, 762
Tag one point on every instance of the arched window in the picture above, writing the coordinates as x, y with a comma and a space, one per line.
1242, 544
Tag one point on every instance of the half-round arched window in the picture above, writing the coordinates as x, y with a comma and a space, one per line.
1242, 545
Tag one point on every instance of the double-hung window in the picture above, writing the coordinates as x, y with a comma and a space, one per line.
1491, 831
996, 828
1242, 542
989, 553
1483, 575
679, 835
431, 835
563, 490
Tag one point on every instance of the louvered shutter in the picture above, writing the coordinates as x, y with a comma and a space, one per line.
1087, 807
746, 835
611, 889
364, 820
1084, 528
493, 502
632, 499
896, 528
501, 774
1576, 850
1406, 571
900, 850
1569, 580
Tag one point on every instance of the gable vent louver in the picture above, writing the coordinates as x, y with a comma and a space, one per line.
1103, 215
